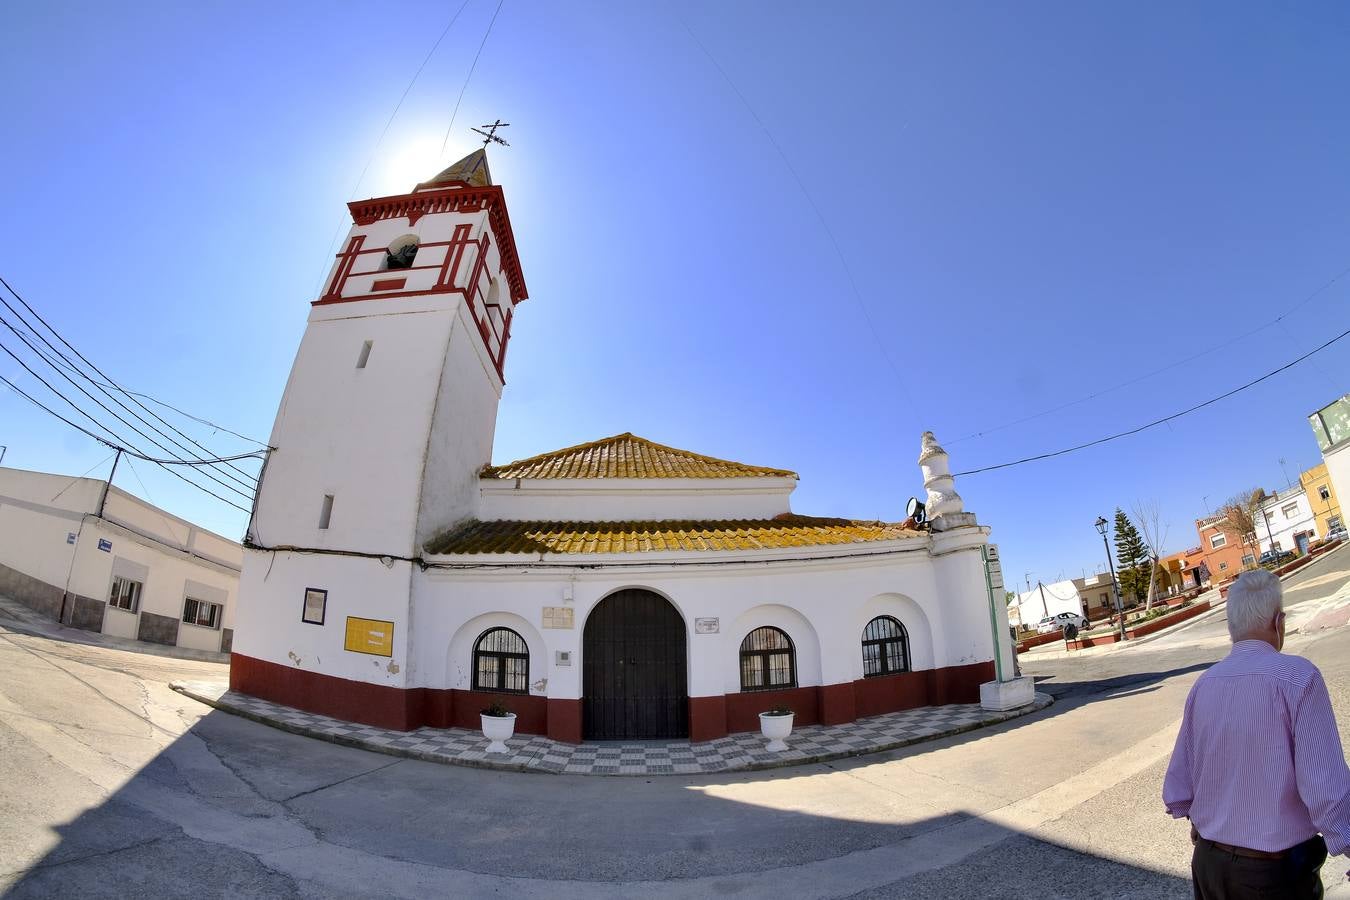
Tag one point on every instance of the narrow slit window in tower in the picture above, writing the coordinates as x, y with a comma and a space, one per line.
326, 513
364, 357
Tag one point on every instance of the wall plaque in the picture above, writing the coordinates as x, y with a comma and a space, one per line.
558, 617
707, 625
373, 636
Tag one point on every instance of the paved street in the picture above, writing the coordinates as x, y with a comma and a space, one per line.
115, 786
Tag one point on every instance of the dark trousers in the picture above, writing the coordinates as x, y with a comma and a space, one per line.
1220, 875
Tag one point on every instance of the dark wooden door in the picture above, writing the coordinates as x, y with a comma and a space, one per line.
634, 670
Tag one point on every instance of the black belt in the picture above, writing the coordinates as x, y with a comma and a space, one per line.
1239, 851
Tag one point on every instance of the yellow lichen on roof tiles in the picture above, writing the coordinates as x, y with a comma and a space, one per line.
647, 537
628, 456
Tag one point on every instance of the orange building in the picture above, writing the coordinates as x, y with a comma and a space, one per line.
1224, 553
1182, 571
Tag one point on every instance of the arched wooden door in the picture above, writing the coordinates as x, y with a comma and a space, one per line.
635, 682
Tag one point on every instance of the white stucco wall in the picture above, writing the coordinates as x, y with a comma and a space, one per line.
269, 620
155, 546
358, 434
634, 499
823, 606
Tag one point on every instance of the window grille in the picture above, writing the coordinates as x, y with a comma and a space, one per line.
501, 662
201, 612
768, 660
885, 647
126, 594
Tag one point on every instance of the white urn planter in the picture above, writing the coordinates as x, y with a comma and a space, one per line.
775, 728
498, 730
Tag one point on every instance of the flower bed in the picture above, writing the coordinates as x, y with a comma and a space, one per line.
1037, 640
1140, 629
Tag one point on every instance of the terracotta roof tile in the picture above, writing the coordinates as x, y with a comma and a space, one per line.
628, 456
647, 537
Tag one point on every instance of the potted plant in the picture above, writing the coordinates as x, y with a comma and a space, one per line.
776, 724
499, 723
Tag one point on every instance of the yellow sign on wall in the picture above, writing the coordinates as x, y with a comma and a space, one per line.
372, 636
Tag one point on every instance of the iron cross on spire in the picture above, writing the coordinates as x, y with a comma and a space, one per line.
490, 136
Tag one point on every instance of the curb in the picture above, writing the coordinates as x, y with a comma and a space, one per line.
1041, 702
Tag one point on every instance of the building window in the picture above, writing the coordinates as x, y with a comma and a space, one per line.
1222, 566
885, 647
1290, 510
1324, 492
126, 594
1106, 599
501, 662
1217, 540
326, 511
1247, 560
768, 660
364, 356
201, 612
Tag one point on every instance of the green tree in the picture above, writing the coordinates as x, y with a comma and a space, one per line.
1132, 559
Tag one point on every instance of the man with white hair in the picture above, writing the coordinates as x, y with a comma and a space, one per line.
1258, 766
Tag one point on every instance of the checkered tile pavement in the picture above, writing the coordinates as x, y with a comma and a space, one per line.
533, 753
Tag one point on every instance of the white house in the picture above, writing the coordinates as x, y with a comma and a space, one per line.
1289, 523
616, 589
95, 557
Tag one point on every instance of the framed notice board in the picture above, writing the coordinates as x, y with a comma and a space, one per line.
373, 636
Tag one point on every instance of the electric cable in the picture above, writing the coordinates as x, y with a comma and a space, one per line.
468, 77
105, 408
166, 464
84, 375
332, 245
1155, 422
824, 223
1124, 384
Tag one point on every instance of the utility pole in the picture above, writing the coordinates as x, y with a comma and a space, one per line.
107, 484
3, 448
1045, 610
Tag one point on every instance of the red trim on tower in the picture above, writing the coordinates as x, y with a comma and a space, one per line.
346, 260
454, 199
388, 284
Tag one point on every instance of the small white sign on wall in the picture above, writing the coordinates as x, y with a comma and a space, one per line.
995, 567
710, 625
558, 617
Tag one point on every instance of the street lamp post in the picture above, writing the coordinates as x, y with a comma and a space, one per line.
1120, 608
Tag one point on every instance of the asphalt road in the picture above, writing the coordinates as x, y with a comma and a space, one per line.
115, 786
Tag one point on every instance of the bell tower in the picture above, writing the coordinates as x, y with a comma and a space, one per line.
387, 416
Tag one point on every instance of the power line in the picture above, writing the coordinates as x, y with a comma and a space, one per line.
105, 408
102, 389
1156, 422
1181, 362
467, 78
166, 464
380, 140
824, 223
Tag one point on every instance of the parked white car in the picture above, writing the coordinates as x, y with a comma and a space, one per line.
1061, 621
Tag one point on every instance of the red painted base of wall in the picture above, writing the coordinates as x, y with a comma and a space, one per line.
709, 717
835, 704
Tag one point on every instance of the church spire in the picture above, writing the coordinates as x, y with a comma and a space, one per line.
472, 171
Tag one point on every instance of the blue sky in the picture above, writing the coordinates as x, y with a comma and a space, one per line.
1037, 202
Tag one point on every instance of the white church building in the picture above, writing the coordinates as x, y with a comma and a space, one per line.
619, 589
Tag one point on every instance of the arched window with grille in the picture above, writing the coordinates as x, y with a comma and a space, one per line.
885, 647
768, 660
501, 662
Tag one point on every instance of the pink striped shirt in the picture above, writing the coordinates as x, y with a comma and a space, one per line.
1258, 761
